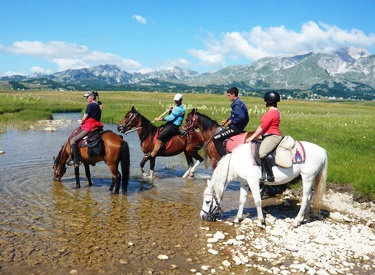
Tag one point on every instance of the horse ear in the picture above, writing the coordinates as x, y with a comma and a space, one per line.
133, 109
208, 182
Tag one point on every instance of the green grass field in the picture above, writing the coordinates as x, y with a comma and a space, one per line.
345, 129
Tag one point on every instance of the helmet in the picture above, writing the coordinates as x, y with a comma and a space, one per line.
177, 97
272, 96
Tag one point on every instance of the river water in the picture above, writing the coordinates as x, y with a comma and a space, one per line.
50, 227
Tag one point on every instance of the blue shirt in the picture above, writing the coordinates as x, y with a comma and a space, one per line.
239, 114
176, 116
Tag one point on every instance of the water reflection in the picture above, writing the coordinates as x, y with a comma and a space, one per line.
47, 225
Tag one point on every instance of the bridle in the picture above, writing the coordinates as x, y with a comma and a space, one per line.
130, 120
60, 165
190, 123
213, 211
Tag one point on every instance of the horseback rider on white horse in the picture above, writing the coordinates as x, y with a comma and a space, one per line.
271, 135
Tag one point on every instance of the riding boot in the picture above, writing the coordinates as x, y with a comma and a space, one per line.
219, 147
75, 154
157, 147
266, 167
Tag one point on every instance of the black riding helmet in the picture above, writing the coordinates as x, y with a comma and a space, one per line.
272, 96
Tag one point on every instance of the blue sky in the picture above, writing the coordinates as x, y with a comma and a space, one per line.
139, 36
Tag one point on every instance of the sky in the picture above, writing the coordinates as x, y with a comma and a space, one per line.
141, 36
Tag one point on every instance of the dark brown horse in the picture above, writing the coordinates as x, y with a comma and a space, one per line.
116, 150
190, 143
208, 128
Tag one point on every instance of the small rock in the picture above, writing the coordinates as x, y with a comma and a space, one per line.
213, 251
226, 263
163, 257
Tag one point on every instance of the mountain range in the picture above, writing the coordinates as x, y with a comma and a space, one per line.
347, 73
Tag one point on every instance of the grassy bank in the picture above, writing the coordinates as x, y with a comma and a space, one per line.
345, 129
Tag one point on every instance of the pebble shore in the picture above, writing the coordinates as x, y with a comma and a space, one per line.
340, 242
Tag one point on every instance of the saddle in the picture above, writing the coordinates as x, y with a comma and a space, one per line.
93, 141
181, 132
288, 152
233, 142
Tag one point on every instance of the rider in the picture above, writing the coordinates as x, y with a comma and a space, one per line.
271, 135
174, 121
90, 120
237, 121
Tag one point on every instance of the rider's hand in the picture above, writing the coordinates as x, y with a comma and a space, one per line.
159, 119
223, 122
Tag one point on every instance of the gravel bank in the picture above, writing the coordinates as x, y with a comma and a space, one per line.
340, 241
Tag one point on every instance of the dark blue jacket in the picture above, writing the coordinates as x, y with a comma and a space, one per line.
239, 114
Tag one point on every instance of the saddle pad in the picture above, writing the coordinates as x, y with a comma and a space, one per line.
234, 141
298, 152
168, 144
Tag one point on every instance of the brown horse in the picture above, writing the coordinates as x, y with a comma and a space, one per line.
190, 143
116, 150
208, 128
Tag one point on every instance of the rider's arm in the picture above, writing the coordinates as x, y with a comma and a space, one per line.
83, 118
258, 132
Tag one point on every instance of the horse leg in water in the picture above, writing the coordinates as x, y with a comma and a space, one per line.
116, 178
88, 173
192, 166
142, 164
152, 167
76, 173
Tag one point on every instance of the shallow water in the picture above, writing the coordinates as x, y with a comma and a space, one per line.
49, 226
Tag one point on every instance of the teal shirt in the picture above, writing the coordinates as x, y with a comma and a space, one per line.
176, 116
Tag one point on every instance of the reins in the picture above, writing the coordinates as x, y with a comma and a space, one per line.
136, 129
213, 211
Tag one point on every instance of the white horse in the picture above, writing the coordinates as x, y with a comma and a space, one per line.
239, 164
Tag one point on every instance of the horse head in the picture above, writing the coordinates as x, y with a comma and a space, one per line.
211, 204
191, 120
129, 121
59, 165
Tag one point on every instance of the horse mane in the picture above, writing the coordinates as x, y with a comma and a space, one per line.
58, 157
207, 123
147, 128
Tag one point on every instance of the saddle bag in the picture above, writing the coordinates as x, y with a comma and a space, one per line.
94, 143
284, 155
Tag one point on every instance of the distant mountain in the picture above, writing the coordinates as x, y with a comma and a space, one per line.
346, 73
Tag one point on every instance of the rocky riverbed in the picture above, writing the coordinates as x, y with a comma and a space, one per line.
341, 240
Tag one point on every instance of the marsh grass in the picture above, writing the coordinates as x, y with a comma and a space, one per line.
345, 129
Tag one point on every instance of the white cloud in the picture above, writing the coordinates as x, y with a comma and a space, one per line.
70, 56
274, 41
170, 63
39, 70
140, 19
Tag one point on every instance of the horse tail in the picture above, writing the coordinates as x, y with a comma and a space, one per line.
125, 164
320, 185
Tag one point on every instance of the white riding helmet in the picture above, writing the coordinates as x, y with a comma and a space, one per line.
177, 97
